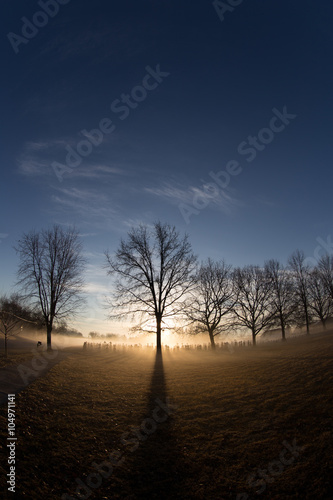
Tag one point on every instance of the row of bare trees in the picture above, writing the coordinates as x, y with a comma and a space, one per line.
158, 276
262, 298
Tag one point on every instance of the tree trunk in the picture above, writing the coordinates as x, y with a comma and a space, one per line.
323, 323
6, 349
307, 326
48, 336
254, 339
158, 333
283, 328
307, 320
212, 340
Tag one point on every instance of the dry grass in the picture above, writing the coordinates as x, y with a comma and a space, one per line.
234, 410
15, 357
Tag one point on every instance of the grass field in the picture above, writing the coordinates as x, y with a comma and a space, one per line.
253, 423
15, 356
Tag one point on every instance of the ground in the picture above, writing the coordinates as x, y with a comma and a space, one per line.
236, 424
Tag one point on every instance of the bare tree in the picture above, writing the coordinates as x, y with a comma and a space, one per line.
94, 335
325, 268
283, 294
10, 318
301, 273
14, 315
50, 272
254, 308
320, 299
154, 271
212, 299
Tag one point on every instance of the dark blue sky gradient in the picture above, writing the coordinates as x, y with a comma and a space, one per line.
225, 79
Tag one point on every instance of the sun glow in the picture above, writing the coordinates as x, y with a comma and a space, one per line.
168, 324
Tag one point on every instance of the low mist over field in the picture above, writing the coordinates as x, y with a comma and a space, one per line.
229, 424
229, 341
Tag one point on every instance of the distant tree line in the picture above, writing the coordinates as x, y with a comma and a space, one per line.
262, 298
108, 336
157, 276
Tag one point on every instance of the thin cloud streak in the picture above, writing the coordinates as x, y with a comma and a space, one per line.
93, 206
224, 201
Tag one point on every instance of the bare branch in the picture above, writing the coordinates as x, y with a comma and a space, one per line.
50, 271
153, 272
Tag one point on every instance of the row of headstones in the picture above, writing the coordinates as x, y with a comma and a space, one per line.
218, 345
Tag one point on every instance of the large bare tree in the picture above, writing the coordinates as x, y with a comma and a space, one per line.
154, 270
283, 294
301, 274
254, 308
51, 272
212, 299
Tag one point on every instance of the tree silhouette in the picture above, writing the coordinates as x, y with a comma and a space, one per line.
154, 270
320, 300
283, 294
254, 308
50, 272
301, 274
11, 317
212, 299
325, 268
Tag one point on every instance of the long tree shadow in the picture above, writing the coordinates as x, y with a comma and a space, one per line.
156, 471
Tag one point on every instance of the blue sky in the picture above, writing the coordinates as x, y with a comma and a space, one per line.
198, 87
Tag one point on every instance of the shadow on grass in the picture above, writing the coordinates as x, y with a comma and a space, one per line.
156, 470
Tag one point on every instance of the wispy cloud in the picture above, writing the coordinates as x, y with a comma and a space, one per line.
88, 204
86, 235
37, 157
97, 172
130, 222
31, 166
89, 196
223, 200
43, 145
